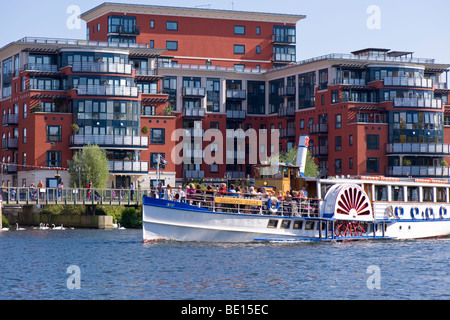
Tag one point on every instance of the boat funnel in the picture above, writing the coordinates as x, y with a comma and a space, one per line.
301, 153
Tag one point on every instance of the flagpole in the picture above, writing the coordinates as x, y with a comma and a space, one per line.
157, 176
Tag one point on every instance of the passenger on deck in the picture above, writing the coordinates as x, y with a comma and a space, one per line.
223, 189
169, 194
180, 195
232, 191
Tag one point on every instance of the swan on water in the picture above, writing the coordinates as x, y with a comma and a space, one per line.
58, 228
19, 229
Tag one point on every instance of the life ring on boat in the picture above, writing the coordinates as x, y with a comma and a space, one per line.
443, 212
274, 205
414, 213
399, 212
429, 213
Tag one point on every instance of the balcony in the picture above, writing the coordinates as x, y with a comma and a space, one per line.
235, 174
194, 174
191, 92
107, 90
286, 112
418, 103
10, 120
198, 113
418, 149
133, 167
286, 91
236, 94
319, 151
287, 133
283, 39
11, 168
318, 128
284, 57
10, 144
40, 67
102, 67
110, 141
417, 171
125, 30
236, 114
348, 81
408, 82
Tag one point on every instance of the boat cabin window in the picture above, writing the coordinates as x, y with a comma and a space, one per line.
427, 194
272, 224
397, 193
298, 225
285, 224
413, 193
441, 194
380, 193
309, 225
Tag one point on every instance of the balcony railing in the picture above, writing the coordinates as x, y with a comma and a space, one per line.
284, 57
10, 120
194, 174
10, 143
128, 166
194, 92
287, 133
318, 128
319, 151
286, 91
236, 94
194, 112
418, 171
283, 38
418, 148
236, 114
145, 72
102, 67
107, 90
356, 82
236, 174
165, 65
110, 141
284, 112
125, 30
408, 82
40, 67
418, 103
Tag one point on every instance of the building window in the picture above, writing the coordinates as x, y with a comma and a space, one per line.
54, 134
239, 67
24, 158
172, 26
350, 163
258, 30
154, 161
239, 29
152, 24
350, 140
53, 158
172, 45
152, 44
214, 168
372, 165
338, 123
25, 111
258, 49
98, 27
157, 136
373, 142
239, 49
302, 124
335, 96
24, 135
338, 165
338, 143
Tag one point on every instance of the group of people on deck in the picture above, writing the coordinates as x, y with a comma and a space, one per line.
208, 193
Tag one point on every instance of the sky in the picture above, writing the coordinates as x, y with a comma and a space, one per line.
339, 26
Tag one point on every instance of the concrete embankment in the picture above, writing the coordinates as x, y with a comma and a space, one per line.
30, 216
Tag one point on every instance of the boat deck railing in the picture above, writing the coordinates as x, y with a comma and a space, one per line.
249, 204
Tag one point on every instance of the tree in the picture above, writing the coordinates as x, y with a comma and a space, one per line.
94, 167
290, 156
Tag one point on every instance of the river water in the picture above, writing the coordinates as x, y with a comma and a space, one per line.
116, 265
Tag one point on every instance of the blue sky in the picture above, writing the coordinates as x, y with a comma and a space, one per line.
330, 27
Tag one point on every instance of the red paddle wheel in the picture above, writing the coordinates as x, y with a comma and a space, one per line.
345, 228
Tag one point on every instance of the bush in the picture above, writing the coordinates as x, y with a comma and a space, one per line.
131, 218
5, 222
114, 211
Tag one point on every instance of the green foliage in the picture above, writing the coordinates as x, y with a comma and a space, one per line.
94, 164
5, 222
64, 210
131, 218
114, 211
311, 169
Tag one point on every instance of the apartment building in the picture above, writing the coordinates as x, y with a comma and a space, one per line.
58, 95
370, 112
